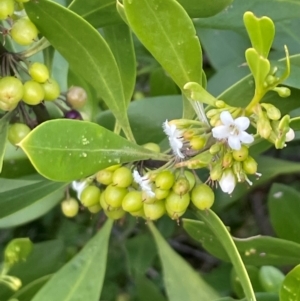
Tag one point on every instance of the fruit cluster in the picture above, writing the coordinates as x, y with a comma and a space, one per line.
26, 85
117, 190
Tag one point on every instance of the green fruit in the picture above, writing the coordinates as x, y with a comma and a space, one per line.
241, 154
175, 215
177, 203
70, 207
181, 185
113, 167
154, 211
122, 177
147, 199
104, 177
33, 93
11, 92
116, 214
7, 8
95, 208
114, 196
24, 32
17, 132
202, 196
152, 146
103, 203
165, 180
161, 194
197, 143
51, 89
90, 196
132, 201
39, 72
250, 166
271, 279
191, 178
76, 97
139, 213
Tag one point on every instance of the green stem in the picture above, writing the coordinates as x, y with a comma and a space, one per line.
39, 46
220, 230
255, 100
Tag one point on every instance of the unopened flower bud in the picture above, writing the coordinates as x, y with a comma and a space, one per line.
215, 148
216, 172
290, 135
282, 91
227, 160
189, 134
237, 167
215, 120
272, 112
220, 104
250, 166
212, 113
197, 142
270, 80
263, 126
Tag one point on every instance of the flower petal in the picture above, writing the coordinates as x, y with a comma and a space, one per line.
242, 123
221, 132
234, 142
227, 181
246, 138
226, 118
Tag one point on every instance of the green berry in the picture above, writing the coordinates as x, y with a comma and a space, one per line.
33, 93
104, 177
76, 97
165, 180
139, 213
114, 196
39, 72
116, 214
181, 185
177, 203
7, 8
17, 132
154, 211
191, 178
95, 208
23, 31
122, 177
152, 146
202, 196
70, 207
241, 154
197, 142
132, 201
90, 196
11, 92
147, 199
103, 203
250, 166
51, 89
161, 194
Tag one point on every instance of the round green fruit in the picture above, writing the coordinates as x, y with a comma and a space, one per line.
95, 208
90, 196
39, 72
250, 166
33, 93
241, 154
51, 89
76, 97
202, 196
165, 180
23, 31
11, 92
116, 214
132, 201
7, 8
152, 146
176, 203
154, 211
70, 207
114, 196
104, 177
122, 177
161, 194
17, 132
181, 185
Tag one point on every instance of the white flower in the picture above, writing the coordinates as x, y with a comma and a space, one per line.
227, 181
78, 186
175, 138
290, 135
233, 130
144, 183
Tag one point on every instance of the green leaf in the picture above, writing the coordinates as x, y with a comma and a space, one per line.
257, 250
119, 39
203, 8
146, 119
82, 277
259, 297
173, 44
261, 32
17, 250
259, 66
174, 267
4, 123
22, 198
74, 38
290, 289
77, 149
284, 210
99, 13
271, 278
147, 290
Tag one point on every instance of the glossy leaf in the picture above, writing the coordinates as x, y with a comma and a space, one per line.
14, 200
261, 32
284, 210
147, 290
271, 278
4, 122
146, 119
173, 268
76, 149
74, 38
257, 250
290, 289
203, 8
98, 13
82, 277
161, 84
173, 44
120, 42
